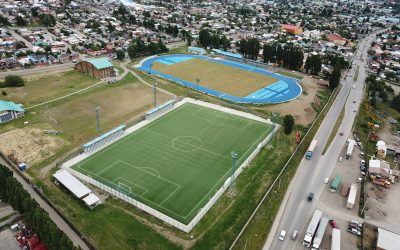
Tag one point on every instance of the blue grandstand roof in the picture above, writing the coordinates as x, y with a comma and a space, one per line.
6, 106
225, 53
99, 63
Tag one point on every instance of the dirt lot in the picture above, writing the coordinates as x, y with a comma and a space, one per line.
301, 108
217, 76
30, 144
8, 242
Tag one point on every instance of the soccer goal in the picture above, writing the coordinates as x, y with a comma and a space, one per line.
125, 189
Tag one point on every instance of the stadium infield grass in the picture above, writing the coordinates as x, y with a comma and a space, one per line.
176, 163
217, 76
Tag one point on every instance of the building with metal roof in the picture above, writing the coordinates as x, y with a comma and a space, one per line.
10, 111
97, 67
387, 240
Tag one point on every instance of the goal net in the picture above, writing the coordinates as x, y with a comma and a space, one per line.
125, 189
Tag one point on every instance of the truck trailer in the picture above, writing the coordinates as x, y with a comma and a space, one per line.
335, 183
350, 148
310, 149
352, 196
335, 244
345, 189
312, 227
320, 233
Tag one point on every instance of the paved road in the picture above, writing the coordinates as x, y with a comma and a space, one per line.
39, 70
20, 38
52, 213
296, 212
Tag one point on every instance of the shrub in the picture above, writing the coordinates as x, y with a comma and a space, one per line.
14, 81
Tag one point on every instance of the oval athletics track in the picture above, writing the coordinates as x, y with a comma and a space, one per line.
284, 89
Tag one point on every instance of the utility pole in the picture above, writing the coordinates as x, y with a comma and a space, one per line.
197, 82
97, 119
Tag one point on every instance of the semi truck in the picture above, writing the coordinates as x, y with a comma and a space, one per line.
312, 227
335, 244
350, 148
310, 149
320, 233
352, 196
335, 183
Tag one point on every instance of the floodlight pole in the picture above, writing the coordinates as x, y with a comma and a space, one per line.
155, 92
197, 82
234, 157
97, 109
273, 119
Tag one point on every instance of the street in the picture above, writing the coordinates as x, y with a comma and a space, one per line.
295, 214
39, 70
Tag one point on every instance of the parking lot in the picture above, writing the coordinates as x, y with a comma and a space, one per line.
333, 204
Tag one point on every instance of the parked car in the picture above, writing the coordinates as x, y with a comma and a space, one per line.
310, 196
356, 223
326, 180
359, 179
362, 168
341, 133
354, 231
294, 234
333, 224
340, 158
362, 163
361, 154
354, 226
282, 235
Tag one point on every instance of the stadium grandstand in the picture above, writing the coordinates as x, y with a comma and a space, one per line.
196, 50
103, 139
159, 110
228, 54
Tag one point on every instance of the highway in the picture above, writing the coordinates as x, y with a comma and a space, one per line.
295, 212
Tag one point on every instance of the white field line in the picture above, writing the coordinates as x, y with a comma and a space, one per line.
171, 182
145, 189
169, 196
65, 96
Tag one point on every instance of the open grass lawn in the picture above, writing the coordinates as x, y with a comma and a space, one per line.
176, 163
226, 79
48, 88
118, 103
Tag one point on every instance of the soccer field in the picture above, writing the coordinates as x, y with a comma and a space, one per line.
217, 76
177, 162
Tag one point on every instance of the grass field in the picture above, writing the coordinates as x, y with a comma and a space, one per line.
226, 79
177, 162
50, 87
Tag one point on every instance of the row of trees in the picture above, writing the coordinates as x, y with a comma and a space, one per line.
313, 64
213, 40
139, 48
249, 48
12, 192
287, 56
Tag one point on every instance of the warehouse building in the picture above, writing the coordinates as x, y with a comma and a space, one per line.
96, 67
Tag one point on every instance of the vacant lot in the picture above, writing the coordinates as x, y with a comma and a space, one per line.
48, 88
226, 79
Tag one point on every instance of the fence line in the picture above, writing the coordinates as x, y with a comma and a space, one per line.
186, 228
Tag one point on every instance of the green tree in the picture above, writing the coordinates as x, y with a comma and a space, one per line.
153, 48
4, 21
47, 20
20, 21
189, 38
14, 81
225, 43
120, 55
288, 123
204, 38
396, 103
335, 78
69, 51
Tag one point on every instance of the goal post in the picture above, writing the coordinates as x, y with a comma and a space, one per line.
123, 188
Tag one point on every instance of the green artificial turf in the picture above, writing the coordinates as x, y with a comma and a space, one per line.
176, 163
